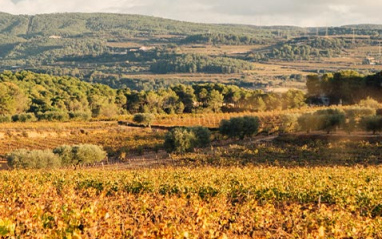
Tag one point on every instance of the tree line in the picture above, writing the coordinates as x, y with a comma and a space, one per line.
223, 39
46, 96
209, 97
347, 87
303, 48
192, 63
27, 96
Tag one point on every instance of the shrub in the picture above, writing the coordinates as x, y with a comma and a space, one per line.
180, 140
65, 152
372, 123
308, 122
239, 127
53, 116
80, 154
144, 119
203, 136
289, 123
88, 153
33, 159
24, 117
5, 118
80, 115
329, 119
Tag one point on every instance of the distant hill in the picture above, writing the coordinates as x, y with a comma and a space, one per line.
43, 39
364, 26
100, 47
77, 24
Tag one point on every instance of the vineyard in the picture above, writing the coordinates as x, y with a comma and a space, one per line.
293, 185
118, 139
289, 151
181, 203
110, 135
112, 126
269, 119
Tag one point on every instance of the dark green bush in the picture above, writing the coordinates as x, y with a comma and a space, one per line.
33, 159
183, 139
53, 116
144, 119
239, 127
24, 117
372, 123
202, 134
180, 140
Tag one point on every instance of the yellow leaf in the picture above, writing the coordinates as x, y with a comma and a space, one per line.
321, 231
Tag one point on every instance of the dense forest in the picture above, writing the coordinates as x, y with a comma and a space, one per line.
224, 39
304, 48
192, 63
26, 92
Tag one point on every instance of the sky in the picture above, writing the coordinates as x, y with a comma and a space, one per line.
255, 12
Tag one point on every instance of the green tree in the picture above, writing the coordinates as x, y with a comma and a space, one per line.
215, 101
33, 159
313, 84
12, 99
308, 122
203, 136
180, 140
239, 127
144, 119
330, 119
293, 99
289, 123
372, 123
80, 154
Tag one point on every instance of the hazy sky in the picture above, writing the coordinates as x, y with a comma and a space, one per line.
257, 12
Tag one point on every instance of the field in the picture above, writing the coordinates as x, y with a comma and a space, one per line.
271, 74
119, 141
288, 186
251, 202
112, 136
284, 176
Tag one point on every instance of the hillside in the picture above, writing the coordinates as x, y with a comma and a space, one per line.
121, 49
82, 24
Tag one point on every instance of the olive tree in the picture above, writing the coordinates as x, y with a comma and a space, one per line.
80, 154
182, 139
32, 159
144, 119
239, 127
372, 123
